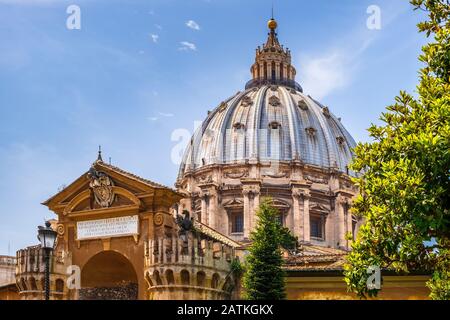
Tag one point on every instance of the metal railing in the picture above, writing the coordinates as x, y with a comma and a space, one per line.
280, 82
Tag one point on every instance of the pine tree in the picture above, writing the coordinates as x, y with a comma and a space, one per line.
264, 277
404, 187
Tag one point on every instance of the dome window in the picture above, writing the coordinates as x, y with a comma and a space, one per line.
239, 126
247, 101
340, 140
311, 131
275, 125
274, 101
302, 105
326, 112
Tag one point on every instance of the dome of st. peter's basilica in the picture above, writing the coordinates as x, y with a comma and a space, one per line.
273, 140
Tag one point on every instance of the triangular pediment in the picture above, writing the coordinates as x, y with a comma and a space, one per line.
108, 188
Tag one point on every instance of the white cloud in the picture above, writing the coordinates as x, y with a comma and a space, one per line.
166, 114
185, 45
323, 75
159, 27
193, 25
155, 38
153, 118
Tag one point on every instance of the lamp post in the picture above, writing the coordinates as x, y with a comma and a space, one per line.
47, 237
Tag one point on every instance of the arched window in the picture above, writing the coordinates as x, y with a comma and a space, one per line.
185, 278
157, 278
33, 284
169, 277
23, 285
215, 281
274, 71
201, 276
59, 285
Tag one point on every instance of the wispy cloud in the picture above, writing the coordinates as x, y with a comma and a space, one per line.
154, 38
323, 75
166, 114
152, 118
193, 25
185, 46
158, 26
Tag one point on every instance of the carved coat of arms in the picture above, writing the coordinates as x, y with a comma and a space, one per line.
102, 187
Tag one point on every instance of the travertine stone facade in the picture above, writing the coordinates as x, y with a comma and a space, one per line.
30, 274
191, 267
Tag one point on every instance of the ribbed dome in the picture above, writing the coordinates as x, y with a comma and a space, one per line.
270, 123
272, 120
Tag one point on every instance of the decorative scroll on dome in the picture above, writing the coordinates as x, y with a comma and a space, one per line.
326, 112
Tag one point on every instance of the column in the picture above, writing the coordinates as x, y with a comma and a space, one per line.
256, 194
297, 215
306, 218
341, 222
212, 210
204, 211
247, 221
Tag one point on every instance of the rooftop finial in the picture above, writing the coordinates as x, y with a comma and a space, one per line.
272, 24
99, 157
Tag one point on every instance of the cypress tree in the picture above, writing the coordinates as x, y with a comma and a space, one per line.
264, 277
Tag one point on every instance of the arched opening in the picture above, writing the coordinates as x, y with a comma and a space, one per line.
23, 285
108, 276
185, 277
33, 284
59, 285
169, 277
215, 281
201, 279
273, 70
157, 278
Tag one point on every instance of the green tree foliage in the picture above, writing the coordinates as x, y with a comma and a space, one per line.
263, 277
404, 185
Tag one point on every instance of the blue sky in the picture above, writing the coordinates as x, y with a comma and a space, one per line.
138, 71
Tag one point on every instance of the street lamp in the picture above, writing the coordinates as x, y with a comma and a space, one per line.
47, 237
